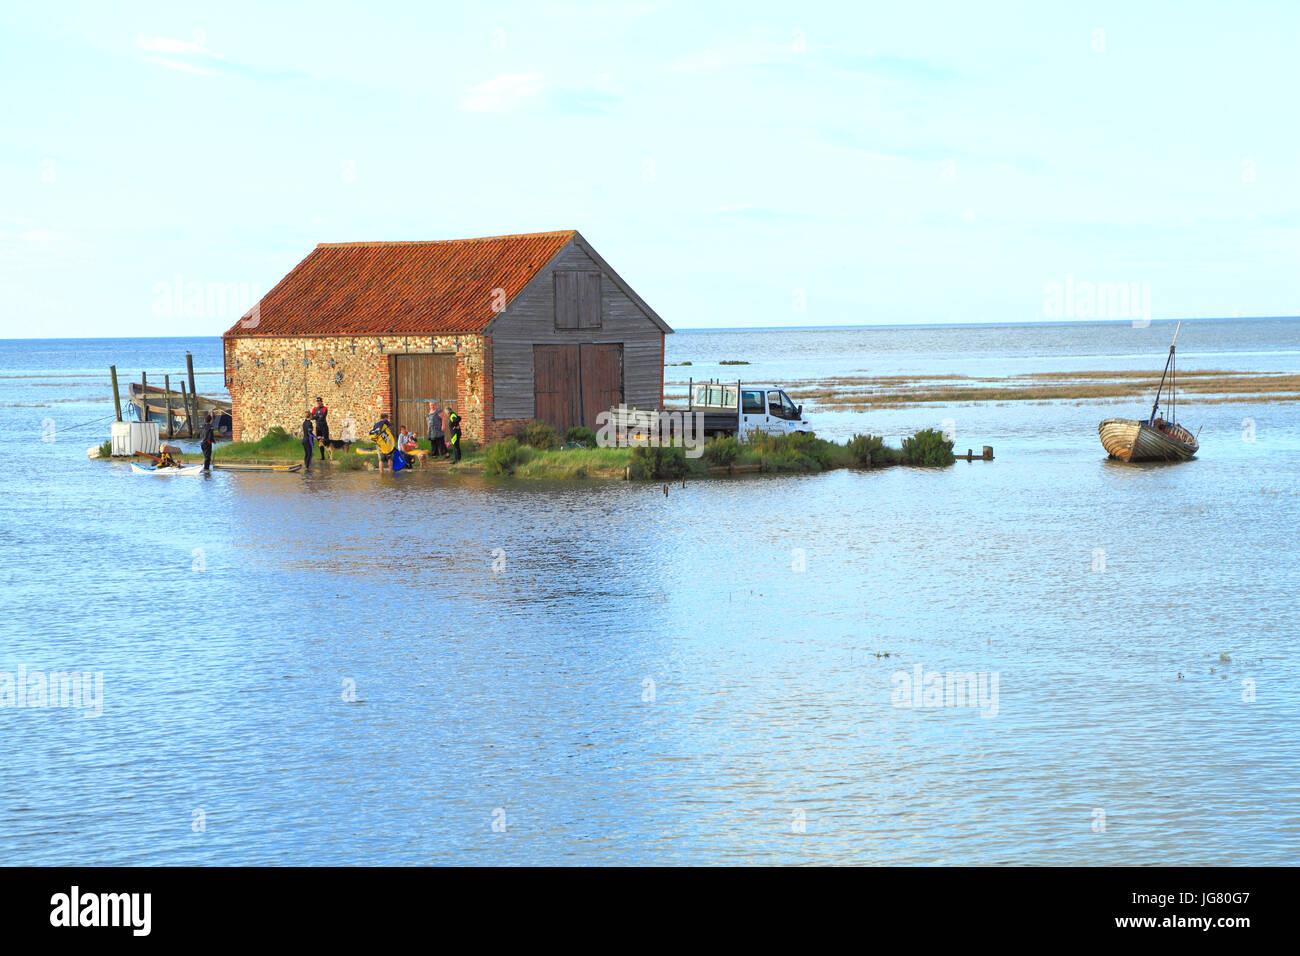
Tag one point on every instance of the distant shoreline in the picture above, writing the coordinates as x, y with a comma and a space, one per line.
688, 330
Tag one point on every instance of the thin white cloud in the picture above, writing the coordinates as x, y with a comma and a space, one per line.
571, 11
193, 56
34, 235
503, 93
748, 51
171, 45
181, 65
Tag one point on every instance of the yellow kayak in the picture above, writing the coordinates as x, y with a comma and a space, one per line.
251, 467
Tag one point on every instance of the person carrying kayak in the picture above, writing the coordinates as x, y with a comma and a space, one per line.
206, 435
453, 422
318, 415
385, 440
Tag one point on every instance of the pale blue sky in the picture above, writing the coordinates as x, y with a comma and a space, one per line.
874, 163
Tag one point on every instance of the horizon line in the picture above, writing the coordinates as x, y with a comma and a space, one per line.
758, 328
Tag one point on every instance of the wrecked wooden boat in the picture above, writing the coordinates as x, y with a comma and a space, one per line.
157, 404
1156, 438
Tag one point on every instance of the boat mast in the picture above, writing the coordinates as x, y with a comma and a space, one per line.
1168, 362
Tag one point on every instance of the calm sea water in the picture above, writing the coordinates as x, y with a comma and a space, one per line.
711, 675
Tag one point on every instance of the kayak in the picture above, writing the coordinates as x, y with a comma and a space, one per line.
154, 470
251, 467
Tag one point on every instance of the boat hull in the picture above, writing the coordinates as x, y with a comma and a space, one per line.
157, 409
184, 470
1128, 440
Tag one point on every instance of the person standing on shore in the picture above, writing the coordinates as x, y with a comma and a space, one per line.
437, 443
385, 440
453, 420
308, 440
205, 441
318, 415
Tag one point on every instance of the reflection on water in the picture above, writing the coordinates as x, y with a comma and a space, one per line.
696, 677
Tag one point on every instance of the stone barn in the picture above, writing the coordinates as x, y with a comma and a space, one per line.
504, 329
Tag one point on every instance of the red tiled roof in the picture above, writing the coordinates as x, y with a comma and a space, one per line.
404, 288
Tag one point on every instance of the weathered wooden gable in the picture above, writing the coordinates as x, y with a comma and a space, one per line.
574, 299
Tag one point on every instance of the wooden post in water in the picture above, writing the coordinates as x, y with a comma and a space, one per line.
194, 392
185, 404
117, 399
167, 391
144, 397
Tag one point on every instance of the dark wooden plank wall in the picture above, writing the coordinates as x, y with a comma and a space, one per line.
531, 320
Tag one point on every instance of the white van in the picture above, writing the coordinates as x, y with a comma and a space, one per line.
741, 408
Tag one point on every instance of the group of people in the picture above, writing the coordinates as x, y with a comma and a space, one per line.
315, 433
443, 429
442, 426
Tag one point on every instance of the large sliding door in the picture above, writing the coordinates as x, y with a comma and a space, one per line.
557, 396
572, 384
602, 380
417, 381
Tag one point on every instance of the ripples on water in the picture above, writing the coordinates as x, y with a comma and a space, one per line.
524, 689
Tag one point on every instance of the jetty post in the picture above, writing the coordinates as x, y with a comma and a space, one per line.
185, 404
144, 396
193, 413
167, 390
117, 399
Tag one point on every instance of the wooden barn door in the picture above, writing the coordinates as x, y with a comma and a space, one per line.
557, 394
417, 381
572, 384
602, 380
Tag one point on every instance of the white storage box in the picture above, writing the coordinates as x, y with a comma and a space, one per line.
141, 436
120, 436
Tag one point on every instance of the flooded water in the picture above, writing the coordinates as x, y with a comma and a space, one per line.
354, 668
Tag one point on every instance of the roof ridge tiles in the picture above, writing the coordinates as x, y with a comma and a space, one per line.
432, 242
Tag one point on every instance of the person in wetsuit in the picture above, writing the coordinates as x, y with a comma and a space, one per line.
308, 440
206, 435
318, 415
453, 421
